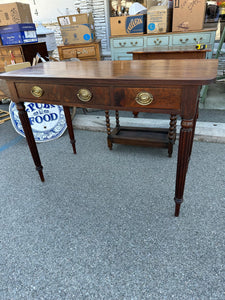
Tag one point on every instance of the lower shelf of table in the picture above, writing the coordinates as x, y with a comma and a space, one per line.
150, 137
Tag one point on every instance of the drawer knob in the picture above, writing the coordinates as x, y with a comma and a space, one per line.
84, 95
144, 98
37, 91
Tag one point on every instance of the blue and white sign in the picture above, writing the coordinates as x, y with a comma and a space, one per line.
47, 120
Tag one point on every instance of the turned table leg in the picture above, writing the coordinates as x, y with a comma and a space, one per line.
117, 118
172, 134
108, 129
184, 151
70, 127
30, 138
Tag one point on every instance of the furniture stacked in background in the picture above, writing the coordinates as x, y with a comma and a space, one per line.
83, 51
78, 34
21, 53
19, 42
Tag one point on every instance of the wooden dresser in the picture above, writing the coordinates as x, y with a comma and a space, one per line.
85, 51
121, 45
21, 53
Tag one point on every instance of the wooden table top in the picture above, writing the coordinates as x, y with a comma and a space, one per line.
160, 72
169, 49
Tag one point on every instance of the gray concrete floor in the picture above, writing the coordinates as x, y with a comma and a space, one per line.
102, 227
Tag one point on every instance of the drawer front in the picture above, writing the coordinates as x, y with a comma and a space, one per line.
86, 96
7, 50
161, 98
42, 91
158, 41
78, 52
191, 39
128, 43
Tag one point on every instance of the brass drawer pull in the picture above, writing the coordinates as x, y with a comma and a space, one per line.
144, 98
84, 95
183, 42
37, 91
157, 41
198, 41
122, 44
134, 44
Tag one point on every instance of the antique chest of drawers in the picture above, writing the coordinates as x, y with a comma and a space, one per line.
120, 45
85, 51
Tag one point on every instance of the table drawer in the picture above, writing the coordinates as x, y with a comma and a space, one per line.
128, 42
86, 96
78, 52
160, 98
33, 91
191, 38
158, 41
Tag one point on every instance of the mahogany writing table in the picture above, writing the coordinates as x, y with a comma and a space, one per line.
156, 86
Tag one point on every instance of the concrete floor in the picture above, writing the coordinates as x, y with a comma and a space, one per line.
102, 227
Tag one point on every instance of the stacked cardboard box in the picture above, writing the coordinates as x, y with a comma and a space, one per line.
159, 17
16, 24
76, 29
131, 24
188, 15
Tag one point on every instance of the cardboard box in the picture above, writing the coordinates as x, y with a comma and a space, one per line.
76, 29
15, 13
76, 34
75, 19
18, 34
159, 19
134, 24
188, 15
167, 3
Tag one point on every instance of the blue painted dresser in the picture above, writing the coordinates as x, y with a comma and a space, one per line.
120, 45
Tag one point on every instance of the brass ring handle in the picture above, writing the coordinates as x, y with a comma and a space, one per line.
144, 98
84, 95
37, 91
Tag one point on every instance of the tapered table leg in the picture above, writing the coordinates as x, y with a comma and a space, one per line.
70, 127
30, 138
184, 151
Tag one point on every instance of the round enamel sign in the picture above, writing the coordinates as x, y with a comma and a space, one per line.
47, 120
